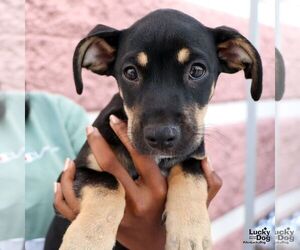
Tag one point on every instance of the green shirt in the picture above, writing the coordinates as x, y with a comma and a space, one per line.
55, 130
12, 181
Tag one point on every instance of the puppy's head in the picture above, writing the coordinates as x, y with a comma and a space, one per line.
166, 66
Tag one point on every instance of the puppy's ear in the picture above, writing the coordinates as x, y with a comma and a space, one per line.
236, 53
95, 52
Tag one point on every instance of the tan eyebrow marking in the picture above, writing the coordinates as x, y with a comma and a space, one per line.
142, 59
183, 55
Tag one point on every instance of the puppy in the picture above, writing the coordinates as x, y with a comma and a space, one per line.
166, 66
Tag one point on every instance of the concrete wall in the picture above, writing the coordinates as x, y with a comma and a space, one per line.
12, 40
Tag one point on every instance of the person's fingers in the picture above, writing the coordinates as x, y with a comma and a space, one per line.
104, 155
214, 182
108, 161
66, 183
60, 205
120, 128
145, 165
215, 186
207, 166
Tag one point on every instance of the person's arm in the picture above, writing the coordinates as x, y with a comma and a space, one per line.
145, 198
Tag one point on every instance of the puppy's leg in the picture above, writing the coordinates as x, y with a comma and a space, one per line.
96, 225
187, 220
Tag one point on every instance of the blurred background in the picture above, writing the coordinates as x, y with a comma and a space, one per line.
252, 146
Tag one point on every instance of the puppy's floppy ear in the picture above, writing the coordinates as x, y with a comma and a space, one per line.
236, 53
95, 52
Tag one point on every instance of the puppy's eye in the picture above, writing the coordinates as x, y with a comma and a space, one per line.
197, 71
130, 73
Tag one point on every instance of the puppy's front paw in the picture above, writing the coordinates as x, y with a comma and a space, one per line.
97, 223
186, 232
187, 221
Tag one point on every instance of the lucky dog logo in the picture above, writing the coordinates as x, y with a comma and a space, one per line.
284, 235
259, 236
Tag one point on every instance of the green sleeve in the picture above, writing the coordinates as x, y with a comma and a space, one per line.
75, 120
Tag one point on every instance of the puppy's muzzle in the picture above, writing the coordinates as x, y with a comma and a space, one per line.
162, 136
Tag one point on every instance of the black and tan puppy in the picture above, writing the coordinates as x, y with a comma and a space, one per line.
166, 66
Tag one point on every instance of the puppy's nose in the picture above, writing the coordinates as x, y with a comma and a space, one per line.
161, 136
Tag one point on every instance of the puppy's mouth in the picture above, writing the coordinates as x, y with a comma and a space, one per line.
184, 147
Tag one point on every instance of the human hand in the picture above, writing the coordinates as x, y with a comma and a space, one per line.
65, 200
214, 181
